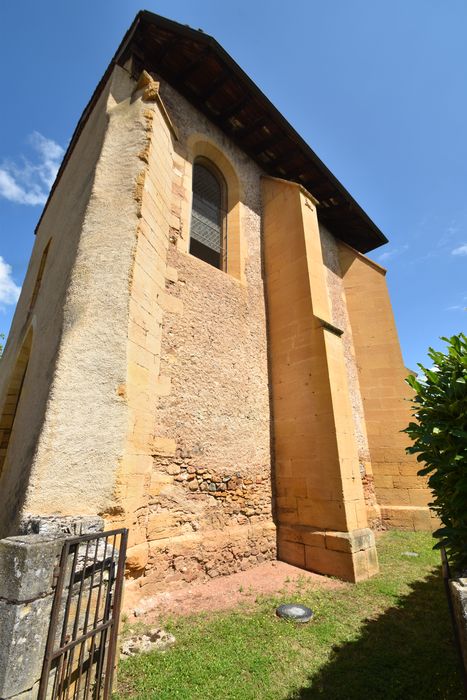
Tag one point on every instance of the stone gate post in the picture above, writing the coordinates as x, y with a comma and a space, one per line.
27, 565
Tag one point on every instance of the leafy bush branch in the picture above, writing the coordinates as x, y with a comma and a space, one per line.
439, 438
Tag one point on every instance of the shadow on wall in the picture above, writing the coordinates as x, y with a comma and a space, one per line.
407, 652
272, 448
31, 394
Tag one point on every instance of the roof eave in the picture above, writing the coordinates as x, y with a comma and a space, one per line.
367, 238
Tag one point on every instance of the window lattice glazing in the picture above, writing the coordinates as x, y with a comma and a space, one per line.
206, 235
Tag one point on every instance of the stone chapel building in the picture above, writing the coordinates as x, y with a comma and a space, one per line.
202, 351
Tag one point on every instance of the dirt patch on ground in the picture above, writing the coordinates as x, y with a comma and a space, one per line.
229, 591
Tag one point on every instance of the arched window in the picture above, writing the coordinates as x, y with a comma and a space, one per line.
208, 216
10, 407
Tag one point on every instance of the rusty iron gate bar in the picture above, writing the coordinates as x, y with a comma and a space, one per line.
80, 652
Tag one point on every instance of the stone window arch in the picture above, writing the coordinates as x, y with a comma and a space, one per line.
13, 396
208, 228
206, 153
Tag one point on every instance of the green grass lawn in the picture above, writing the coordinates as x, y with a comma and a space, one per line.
389, 637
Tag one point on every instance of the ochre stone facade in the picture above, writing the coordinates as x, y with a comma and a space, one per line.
195, 484
401, 494
225, 416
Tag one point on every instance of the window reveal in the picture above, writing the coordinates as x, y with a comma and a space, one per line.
207, 232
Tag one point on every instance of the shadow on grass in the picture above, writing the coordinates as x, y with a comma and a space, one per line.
407, 652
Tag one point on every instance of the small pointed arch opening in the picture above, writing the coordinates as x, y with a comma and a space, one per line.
208, 229
13, 396
40, 275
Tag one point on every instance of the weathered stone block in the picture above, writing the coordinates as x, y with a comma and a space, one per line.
350, 541
291, 552
66, 525
26, 566
137, 558
171, 274
163, 446
163, 386
23, 634
30, 694
351, 565
171, 304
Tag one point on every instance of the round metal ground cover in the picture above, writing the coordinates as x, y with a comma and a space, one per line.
294, 611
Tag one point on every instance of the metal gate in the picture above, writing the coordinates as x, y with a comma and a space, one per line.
80, 652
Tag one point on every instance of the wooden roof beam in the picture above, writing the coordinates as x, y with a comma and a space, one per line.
167, 47
192, 67
235, 108
249, 129
265, 144
215, 86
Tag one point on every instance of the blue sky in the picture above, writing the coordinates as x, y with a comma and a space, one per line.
376, 87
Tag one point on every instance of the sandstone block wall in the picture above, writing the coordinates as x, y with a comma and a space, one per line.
194, 484
401, 494
151, 402
340, 318
320, 500
162, 394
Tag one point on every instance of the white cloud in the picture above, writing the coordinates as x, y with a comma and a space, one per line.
30, 181
461, 250
9, 291
393, 253
447, 235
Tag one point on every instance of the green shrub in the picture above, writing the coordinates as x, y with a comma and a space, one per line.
440, 439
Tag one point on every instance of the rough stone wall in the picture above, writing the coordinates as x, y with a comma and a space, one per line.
218, 407
340, 318
208, 508
86, 418
147, 398
151, 367
46, 433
